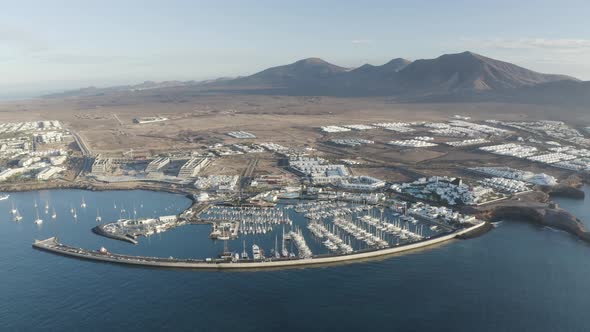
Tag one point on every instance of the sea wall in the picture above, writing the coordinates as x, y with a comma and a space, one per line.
52, 246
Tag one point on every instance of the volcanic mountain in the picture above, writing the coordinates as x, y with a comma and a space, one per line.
467, 71
451, 77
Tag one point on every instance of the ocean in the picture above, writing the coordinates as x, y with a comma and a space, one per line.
518, 277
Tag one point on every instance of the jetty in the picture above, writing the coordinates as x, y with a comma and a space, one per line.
54, 246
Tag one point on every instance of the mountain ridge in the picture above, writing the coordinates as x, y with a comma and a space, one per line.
449, 77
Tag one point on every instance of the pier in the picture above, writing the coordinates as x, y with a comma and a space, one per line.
54, 246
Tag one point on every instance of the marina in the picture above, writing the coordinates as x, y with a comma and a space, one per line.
54, 246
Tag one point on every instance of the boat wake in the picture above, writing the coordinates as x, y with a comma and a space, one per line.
497, 223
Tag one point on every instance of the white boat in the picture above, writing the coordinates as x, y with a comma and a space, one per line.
38, 221
98, 217
17, 216
256, 252
244, 253
4, 197
46, 207
53, 215
13, 210
277, 254
284, 251
75, 214
83, 204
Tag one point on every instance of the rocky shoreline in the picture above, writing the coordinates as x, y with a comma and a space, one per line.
550, 216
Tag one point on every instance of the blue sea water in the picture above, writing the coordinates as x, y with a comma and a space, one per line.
518, 277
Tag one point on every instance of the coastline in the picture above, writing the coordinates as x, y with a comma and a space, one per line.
96, 186
533, 207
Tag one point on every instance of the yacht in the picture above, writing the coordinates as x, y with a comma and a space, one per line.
83, 205
53, 215
256, 255
13, 210
98, 217
46, 207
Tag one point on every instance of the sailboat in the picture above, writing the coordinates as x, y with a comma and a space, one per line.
98, 217
38, 221
244, 253
53, 215
13, 210
277, 253
75, 214
83, 205
35, 204
284, 251
46, 207
17, 216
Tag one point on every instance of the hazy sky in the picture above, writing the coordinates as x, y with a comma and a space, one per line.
47, 45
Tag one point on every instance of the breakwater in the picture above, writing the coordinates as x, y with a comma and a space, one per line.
52, 245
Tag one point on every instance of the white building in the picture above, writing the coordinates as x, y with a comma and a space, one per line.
192, 167
365, 183
49, 172
57, 160
10, 172
157, 164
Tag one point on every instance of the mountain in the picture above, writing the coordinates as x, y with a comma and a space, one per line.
310, 71
457, 77
391, 67
467, 71
450, 74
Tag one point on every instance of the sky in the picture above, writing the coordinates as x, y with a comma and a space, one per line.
51, 45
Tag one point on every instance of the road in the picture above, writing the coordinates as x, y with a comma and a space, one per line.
247, 175
117, 118
86, 153
81, 144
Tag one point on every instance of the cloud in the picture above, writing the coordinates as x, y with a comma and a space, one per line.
361, 41
557, 45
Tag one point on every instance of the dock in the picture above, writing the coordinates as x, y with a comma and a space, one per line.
54, 246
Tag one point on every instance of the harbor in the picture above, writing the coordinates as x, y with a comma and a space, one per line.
54, 246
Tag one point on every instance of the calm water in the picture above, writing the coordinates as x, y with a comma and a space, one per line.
516, 278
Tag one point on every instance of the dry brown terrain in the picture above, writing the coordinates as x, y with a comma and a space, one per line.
106, 123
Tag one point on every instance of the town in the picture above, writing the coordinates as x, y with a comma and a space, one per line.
343, 191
